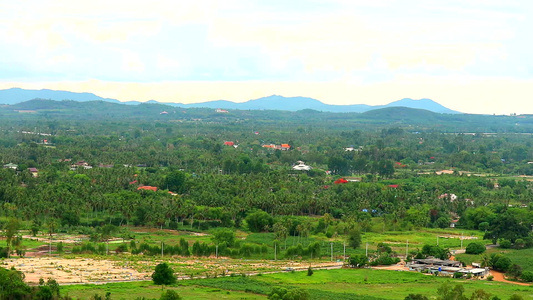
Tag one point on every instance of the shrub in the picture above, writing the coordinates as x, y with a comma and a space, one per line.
527, 276
475, 248
309, 271
170, 295
490, 278
500, 262
358, 261
514, 271
506, 244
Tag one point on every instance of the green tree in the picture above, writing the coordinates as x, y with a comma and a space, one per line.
475, 248
12, 285
163, 275
10, 230
259, 221
416, 297
480, 295
224, 235
354, 238
448, 292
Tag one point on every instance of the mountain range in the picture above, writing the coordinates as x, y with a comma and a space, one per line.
274, 102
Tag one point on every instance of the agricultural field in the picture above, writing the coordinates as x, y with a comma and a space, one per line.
323, 284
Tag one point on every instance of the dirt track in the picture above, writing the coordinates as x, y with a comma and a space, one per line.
498, 276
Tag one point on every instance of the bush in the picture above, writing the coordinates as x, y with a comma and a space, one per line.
475, 248
490, 278
309, 271
457, 275
163, 274
527, 276
358, 261
506, 244
500, 263
170, 295
514, 271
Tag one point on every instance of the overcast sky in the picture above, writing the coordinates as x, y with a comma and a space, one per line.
469, 55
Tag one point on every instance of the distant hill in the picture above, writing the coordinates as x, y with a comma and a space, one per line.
17, 95
274, 102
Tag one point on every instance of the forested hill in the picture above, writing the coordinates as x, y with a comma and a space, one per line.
424, 119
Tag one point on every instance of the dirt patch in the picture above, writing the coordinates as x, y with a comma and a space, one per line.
73, 270
498, 276
398, 267
65, 239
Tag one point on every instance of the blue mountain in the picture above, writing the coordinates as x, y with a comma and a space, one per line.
274, 102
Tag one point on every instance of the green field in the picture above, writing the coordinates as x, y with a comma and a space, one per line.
324, 284
523, 257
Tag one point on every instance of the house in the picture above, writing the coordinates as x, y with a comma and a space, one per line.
10, 166
453, 223
101, 165
229, 143
221, 111
340, 180
285, 146
445, 172
452, 197
34, 172
301, 166
431, 261
82, 164
163, 113
147, 188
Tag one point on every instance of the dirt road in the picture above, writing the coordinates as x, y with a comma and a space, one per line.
498, 276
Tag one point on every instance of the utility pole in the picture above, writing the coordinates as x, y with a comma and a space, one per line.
366, 252
331, 251
344, 251
275, 251
216, 252
406, 249
461, 240
437, 240
162, 245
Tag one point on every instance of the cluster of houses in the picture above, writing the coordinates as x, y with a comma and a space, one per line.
446, 267
34, 172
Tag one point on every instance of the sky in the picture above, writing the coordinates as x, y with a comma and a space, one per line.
474, 56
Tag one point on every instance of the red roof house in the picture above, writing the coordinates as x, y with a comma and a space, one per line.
340, 180
147, 188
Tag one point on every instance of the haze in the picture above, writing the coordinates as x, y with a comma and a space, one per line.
470, 56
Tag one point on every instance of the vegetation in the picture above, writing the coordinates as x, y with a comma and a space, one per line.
163, 275
103, 171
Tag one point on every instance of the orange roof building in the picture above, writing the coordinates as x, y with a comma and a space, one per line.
147, 188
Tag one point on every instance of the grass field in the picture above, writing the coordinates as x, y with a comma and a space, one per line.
324, 284
523, 257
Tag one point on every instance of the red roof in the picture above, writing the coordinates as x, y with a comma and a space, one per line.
340, 180
228, 143
133, 182
148, 188
285, 146
394, 186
